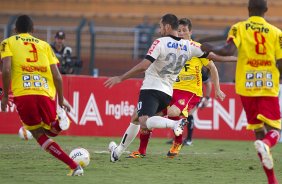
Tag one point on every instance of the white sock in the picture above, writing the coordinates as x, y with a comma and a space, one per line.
129, 135
159, 122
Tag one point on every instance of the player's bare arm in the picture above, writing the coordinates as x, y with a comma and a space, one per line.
215, 79
218, 58
59, 85
66, 105
279, 65
205, 100
228, 49
137, 69
6, 76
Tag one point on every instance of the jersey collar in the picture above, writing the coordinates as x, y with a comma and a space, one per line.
24, 34
256, 19
174, 37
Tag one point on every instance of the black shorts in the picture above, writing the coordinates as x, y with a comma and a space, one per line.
151, 102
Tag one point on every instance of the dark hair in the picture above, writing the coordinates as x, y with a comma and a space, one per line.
24, 24
170, 19
257, 7
186, 22
60, 35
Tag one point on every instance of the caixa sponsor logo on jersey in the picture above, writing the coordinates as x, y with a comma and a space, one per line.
176, 46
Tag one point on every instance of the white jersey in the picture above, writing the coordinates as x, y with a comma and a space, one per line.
168, 55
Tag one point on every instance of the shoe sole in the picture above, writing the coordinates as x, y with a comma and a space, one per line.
64, 126
267, 160
64, 122
135, 157
171, 156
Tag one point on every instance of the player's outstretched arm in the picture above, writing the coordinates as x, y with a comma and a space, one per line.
219, 58
139, 68
215, 79
228, 49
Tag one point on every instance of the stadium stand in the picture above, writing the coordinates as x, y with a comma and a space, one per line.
115, 20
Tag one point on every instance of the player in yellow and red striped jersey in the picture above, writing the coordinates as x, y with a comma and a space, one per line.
205, 100
259, 46
187, 91
30, 67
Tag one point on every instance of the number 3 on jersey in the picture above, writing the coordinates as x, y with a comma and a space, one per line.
33, 51
260, 41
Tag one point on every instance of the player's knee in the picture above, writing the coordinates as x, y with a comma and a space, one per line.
37, 133
142, 121
51, 133
134, 117
143, 125
135, 122
259, 133
54, 129
173, 111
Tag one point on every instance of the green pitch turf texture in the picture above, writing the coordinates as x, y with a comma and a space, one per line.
206, 162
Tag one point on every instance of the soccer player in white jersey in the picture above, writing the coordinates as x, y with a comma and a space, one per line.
163, 62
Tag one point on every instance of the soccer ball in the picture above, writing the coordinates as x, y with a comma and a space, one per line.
81, 156
24, 134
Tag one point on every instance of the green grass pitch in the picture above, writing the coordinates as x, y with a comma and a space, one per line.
206, 162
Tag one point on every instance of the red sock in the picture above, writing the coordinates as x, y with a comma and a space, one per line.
271, 138
53, 148
178, 139
271, 178
144, 139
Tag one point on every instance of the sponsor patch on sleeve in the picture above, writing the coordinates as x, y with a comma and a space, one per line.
153, 46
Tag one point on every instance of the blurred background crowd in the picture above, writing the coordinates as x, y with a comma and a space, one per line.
107, 37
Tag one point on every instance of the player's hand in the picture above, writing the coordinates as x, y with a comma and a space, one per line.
219, 94
206, 47
204, 103
112, 81
4, 102
66, 106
